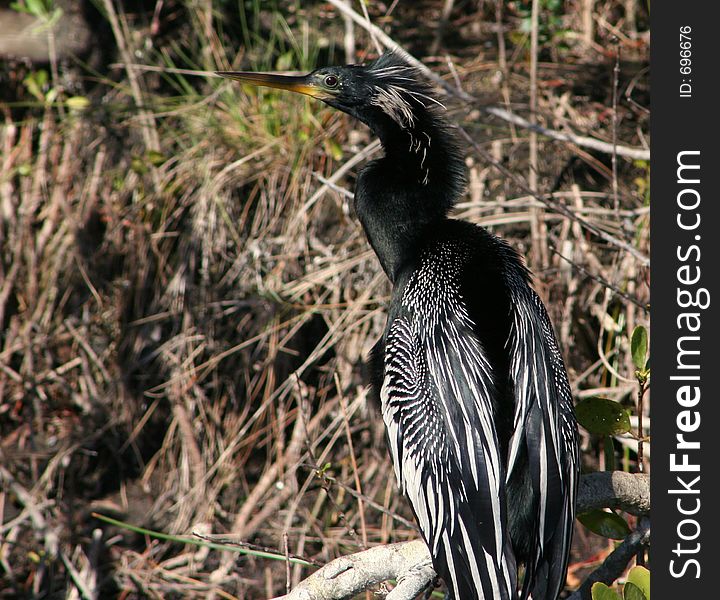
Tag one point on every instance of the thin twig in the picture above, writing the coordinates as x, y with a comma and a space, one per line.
349, 38
602, 281
556, 206
370, 29
440, 29
567, 136
538, 228
616, 76
156, 69
642, 388
502, 60
286, 549
149, 132
588, 142
353, 461
367, 499
77, 579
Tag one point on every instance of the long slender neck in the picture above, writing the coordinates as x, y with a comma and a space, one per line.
411, 151
401, 195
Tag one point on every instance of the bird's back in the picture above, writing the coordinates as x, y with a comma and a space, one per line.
442, 372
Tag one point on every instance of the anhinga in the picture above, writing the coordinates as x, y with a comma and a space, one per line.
471, 384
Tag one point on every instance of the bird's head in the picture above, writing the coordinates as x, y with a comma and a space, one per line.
393, 99
387, 90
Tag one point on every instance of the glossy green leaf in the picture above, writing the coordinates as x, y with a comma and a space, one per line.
639, 347
600, 591
602, 416
36, 7
606, 524
609, 452
640, 577
35, 82
77, 103
632, 592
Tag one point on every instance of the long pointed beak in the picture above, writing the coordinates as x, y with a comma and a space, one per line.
293, 83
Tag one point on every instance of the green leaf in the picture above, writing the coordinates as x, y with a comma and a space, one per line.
606, 524
77, 103
609, 451
600, 591
51, 95
35, 6
16, 6
334, 149
156, 158
640, 577
38, 8
639, 347
324, 469
602, 416
181, 539
632, 592
35, 82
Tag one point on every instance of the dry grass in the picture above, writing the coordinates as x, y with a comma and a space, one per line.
182, 331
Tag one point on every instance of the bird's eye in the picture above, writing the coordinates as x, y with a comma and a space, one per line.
331, 81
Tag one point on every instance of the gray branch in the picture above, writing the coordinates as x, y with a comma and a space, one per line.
615, 489
565, 136
569, 136
409, 563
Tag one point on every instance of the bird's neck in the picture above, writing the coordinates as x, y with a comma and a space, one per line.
406, 193
411, 152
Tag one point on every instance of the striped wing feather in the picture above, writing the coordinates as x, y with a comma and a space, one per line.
545, 431
436, 403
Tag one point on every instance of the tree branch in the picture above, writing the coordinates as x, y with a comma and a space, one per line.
615, 489
409, 563
564, 136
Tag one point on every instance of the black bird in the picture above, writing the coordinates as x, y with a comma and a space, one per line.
469, 378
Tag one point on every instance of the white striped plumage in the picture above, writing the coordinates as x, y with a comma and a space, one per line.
437, 403
541, 385
391, 100
395, 93
450, 467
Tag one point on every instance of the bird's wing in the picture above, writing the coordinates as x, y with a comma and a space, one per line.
437, 410
545, 431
